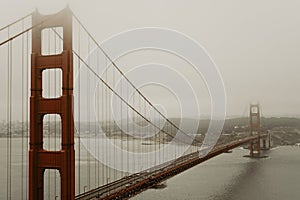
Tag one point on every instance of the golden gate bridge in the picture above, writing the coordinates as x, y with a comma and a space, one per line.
45, 53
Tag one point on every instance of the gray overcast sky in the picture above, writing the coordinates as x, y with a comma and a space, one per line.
255, 43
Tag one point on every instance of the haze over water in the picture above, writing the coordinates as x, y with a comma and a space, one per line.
233, 177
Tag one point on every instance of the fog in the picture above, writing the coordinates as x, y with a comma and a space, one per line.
255, 44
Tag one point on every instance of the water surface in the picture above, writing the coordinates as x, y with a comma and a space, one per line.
234, 177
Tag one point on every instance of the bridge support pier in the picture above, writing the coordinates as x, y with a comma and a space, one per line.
266, 142
39, 158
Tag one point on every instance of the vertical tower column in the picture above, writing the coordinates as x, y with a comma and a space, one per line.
255, 130
39, 158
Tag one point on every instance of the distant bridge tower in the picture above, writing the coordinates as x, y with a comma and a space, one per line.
255, 148
39, 158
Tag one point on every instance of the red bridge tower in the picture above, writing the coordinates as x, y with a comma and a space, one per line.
39, 158
255, 130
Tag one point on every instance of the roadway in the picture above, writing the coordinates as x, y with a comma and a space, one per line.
131, 185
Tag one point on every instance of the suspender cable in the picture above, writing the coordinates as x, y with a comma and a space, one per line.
103, 97
55, 91
8, 124
113, 128
26, 111
106, 129
127, 127
22, 113
89, 122
121, 93
10, 113
133, 120
79, 127
49, 125
97, 129
140, 132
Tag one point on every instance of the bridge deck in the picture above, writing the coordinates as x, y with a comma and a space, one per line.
131, 185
